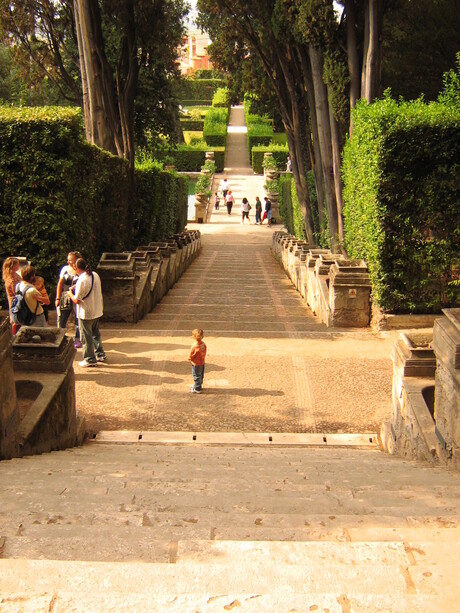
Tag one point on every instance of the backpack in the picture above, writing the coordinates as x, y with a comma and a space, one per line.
20, 312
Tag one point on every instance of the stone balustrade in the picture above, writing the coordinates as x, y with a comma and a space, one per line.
38, 411
336, 289
446, 344
133, 282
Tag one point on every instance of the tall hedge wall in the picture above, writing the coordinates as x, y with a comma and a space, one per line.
279, 152
198, 89
59, 193
190, 158
401, 172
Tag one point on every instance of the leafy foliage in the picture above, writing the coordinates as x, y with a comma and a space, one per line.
401, 175
59, 193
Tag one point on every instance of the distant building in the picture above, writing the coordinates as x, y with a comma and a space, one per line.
194, 54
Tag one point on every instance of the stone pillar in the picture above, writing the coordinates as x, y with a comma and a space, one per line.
410, 431
349, 293
201, 207
118, 277
43, 363
311, 289
142, 285
9, 414
446, 344
209, 156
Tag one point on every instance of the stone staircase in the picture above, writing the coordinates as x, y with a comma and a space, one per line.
232, 290
142, 527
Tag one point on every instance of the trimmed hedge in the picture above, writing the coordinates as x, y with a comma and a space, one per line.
221, 98
290, 210
59, 193
215, 127
198, 89
192, 157
280, 153
401, 171
192, 125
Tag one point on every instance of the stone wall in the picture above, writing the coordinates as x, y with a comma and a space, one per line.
9, 415
38, 408
336, 289
425, 422
133, 282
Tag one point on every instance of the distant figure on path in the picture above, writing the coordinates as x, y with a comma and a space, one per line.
245, 208
268, 211
258, 210
197, 357
229, 200
224, 188
217, 201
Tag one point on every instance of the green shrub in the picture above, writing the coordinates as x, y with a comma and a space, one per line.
401, 195
59, 193
291, 213
192, 125
280, 153
198, 89
203, 185
221, 98
215, 127
190, 158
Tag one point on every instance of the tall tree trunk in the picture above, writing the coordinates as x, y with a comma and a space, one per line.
314, 148
324, 135
126, 79
353, 57
294, 119
102, 119
372, 56
336, 160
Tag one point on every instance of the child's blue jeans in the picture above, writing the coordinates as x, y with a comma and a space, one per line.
198, 376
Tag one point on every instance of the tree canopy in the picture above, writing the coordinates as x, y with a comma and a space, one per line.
319, 58
116, 58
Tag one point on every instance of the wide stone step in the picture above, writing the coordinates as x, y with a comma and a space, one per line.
237, 575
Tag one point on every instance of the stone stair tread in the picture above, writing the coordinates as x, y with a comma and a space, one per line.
252, 566
245, 602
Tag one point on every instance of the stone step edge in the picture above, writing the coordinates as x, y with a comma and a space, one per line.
275, 439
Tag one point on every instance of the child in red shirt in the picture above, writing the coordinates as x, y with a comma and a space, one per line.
197, 357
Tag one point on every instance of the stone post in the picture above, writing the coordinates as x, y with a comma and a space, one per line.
349, 293
446, 344
118, 278
9, 414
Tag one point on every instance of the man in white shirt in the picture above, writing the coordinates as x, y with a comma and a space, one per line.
224, 187
88, 298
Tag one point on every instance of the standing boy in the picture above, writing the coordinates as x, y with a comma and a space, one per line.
197, 358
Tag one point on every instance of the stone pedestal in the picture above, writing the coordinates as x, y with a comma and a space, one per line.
349, 293
411, 430
201, 207
446, 344
45, 384
142, 284
118, 277
9, 415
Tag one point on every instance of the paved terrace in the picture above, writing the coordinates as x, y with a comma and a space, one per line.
240, 526
271, 366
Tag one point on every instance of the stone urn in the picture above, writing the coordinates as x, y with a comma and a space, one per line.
201, 207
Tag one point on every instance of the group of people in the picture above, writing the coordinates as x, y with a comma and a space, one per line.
229, 200
78, 291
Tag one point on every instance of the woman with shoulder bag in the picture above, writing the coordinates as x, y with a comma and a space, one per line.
64, 306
